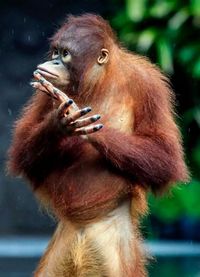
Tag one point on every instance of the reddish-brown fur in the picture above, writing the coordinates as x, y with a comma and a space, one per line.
139, 146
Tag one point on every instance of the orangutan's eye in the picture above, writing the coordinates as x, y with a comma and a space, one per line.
65, 53
66, 56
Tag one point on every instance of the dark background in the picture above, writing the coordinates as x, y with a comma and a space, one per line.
161, 35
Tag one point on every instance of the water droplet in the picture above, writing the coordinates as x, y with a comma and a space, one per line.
9, 112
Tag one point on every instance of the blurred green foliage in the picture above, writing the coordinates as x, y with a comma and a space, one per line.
168, 32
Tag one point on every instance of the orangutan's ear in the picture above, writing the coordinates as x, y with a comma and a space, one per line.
104, 56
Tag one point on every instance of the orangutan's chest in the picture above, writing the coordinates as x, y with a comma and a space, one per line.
118, 114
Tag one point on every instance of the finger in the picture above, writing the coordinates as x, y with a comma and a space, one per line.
37, 75
77, 114
85, 121
40, 87
63, 108
52, 90
88, 130
55, 92
45, 84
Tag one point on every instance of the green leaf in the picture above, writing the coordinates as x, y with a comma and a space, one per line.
146, 39
165, 57
162, 8
184, 200
120, 19
195, 7
129, 38
136, 9
191, 115
189, 197
178, 19
166, 208
196, 69
187, 53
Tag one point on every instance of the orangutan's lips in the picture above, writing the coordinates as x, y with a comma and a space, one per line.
44, 72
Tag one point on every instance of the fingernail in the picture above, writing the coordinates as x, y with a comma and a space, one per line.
95, 117
42, 81
85, 110
70, 101
98, 127
32, 84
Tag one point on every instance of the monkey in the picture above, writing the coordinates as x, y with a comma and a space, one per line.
94, 172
